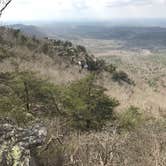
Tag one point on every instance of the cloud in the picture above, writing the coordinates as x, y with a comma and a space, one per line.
124, 3
80, 5
83, 9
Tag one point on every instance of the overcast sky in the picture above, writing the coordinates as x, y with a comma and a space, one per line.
30, 10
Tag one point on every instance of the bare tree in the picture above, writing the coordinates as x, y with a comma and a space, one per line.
3, 5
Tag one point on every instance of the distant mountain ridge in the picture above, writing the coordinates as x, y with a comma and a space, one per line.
134, 37
141, 37
29, 30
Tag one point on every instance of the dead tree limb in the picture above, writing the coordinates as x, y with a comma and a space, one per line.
6, 3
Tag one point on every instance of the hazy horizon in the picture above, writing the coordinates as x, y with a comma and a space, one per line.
144, 22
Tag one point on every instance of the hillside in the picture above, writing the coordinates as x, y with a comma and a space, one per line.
139, 51
96, 111
50, 58
121, 47
29, 30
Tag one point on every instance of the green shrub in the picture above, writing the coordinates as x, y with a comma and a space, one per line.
37, 92
68, 44
35, 40
1, 40
131, 118
25, 93
95, 65
110, 68
57, 42
83, 102
45, 48
81, 48
121, 76
87, 105
16, 33
4, 54
23, 39
13, 107
153, 82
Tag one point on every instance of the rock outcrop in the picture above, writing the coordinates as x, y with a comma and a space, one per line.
17, 143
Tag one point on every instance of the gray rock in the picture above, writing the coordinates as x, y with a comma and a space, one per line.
16, 143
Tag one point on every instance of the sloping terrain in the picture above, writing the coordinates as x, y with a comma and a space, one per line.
149, 73
29, 30
55, 60
139, 51
41, 81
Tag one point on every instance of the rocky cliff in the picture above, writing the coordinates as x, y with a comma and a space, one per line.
17, 143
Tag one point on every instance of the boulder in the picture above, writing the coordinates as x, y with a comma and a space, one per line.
16, 144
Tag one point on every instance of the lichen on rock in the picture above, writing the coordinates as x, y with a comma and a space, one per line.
17, 143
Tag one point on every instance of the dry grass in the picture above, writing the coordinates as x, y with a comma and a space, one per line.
146, 67
150, 79
145, 146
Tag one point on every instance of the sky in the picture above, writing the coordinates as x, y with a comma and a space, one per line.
61, 10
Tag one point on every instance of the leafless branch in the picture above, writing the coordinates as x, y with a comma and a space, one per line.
5, 5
